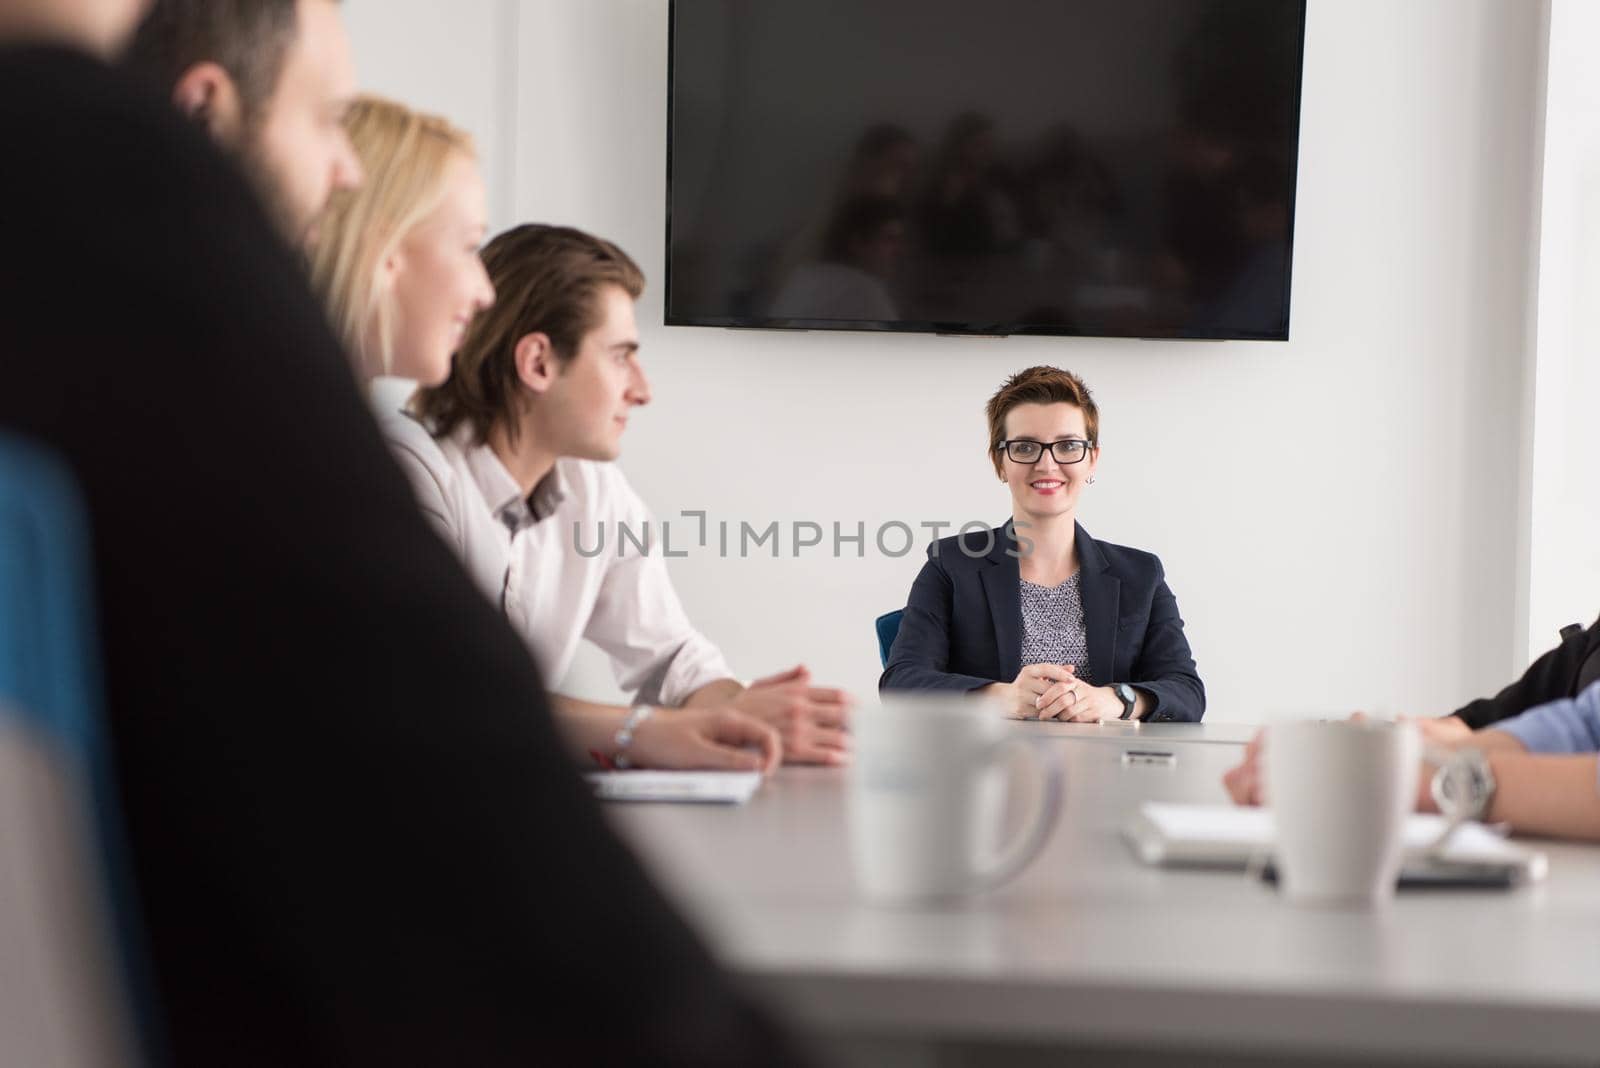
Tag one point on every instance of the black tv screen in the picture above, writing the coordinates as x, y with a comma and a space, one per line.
1112, 168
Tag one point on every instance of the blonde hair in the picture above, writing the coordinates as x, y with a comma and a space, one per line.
404, 154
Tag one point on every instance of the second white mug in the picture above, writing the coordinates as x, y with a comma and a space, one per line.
1340, 794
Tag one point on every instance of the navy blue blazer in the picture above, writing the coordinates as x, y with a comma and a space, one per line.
963, 622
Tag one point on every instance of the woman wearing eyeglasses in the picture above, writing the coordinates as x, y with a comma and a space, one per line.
1036, 612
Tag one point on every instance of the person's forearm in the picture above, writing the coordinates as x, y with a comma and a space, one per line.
586, 725
1491, 740
1546, 795
719, 692
1003, 691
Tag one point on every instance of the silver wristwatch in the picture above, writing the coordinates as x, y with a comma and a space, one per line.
1464, 785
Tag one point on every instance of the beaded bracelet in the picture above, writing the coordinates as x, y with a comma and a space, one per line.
624, 736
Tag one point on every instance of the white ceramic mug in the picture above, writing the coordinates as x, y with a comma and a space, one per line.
927, 796
1340, 794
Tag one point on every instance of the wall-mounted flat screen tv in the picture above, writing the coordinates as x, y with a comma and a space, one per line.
1107, 168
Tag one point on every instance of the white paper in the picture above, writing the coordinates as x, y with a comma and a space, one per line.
1221, 831
725, 787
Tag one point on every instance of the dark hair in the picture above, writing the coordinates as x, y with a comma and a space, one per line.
962, 131
1039, 385
859, 219
880, 138
249, 39
547, 279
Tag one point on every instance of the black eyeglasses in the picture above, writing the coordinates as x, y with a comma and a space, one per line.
1024, 451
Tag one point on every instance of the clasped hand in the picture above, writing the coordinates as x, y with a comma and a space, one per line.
1054, 691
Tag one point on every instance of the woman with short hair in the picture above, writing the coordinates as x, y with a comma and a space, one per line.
1036, 612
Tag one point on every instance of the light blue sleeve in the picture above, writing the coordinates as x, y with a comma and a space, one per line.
1571, 725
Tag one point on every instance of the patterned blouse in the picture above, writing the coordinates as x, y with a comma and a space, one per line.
1052, 626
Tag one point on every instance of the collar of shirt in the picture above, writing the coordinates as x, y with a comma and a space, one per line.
504, 494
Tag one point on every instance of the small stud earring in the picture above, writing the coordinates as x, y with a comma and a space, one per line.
1091, 480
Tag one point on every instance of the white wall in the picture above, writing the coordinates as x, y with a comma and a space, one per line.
1338, 515
1563, 544
456, 59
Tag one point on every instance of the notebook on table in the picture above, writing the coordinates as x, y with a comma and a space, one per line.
1230, 836
716, 787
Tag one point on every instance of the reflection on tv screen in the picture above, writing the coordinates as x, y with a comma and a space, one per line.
1119, 168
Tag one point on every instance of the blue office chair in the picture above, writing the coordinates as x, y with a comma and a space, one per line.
888, 626
63, 818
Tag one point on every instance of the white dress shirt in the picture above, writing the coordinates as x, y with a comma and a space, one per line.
523, 552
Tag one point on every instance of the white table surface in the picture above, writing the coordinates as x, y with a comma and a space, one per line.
1091, 948
1128, 732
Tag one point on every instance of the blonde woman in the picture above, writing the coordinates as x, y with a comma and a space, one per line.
398, 267
397, 259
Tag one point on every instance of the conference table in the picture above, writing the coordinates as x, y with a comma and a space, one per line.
1093, 952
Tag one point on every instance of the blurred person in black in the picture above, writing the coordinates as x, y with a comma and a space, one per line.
881, 171
884, 164
1070, 209
1235, 105
353, 840
861, 251
969, 209
1254, 295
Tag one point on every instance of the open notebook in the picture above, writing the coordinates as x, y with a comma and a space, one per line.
1230, 836
728, 787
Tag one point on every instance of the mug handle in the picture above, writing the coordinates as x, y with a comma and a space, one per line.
1035, 832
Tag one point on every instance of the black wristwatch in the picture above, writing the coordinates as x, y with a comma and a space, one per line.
1128, 698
